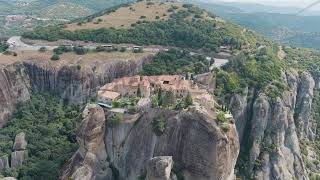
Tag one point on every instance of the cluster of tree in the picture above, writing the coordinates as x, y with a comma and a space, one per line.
168, 100
258, 70
64, 49
79, 50
49, 126
176, 61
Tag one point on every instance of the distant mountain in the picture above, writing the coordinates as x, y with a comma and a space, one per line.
279, 23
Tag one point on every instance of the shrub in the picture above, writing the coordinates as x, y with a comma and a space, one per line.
116, 120
80, 50
197, 16
225, 127
180, 105
123, 49
55, 57
221, 117
159, 125
100, 49
116, 104
62, 49
78, 67
43, 49
132, 109
154, 101
188, 100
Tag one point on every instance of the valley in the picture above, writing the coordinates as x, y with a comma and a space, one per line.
21, 16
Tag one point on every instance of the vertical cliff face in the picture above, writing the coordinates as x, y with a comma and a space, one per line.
77, 83
270, 143
14, 88
74, 83
198, 148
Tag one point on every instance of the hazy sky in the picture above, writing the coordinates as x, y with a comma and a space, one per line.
297, 3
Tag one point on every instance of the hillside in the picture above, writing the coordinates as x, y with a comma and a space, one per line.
183, 26
280, 24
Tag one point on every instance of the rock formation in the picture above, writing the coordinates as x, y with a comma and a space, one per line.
17, 158
20, 142
270, 142
198, 147
159, 168
19, 153
91, 157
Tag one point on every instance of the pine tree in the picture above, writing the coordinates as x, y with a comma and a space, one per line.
159, 97
188, 100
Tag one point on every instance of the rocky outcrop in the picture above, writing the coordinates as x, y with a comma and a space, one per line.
19, 153
4, 162
20, 142
17, 158
91, 157
271, 146
305, 125
198, 147
73, 82
159, 168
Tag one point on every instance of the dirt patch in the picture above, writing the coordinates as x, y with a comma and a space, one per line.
72, 58
125, 16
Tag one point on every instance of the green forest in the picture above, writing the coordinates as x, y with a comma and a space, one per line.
197, 33
50, 127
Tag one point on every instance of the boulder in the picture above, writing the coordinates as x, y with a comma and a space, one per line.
20, 142
159, 168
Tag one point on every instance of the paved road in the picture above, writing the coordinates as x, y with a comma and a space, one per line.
16, 44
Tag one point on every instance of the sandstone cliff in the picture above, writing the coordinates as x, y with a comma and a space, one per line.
270, 129
198, 148
70, 81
